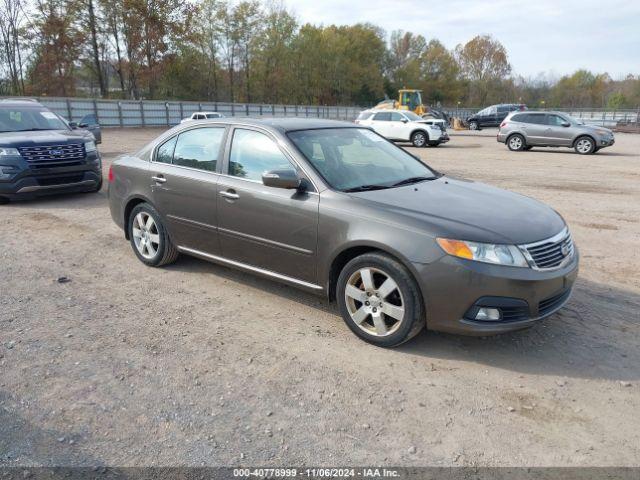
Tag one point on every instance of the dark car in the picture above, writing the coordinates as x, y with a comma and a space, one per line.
336, 209
41, 154
89, 122
493, 116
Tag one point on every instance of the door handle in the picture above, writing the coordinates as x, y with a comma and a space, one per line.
159, 179
230, 194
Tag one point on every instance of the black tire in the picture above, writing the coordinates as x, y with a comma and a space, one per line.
434, 144
584, 145
4, 200
98, 187
166, 252
528, 147
596, 150
420, 139
516, 142
473, 125
406, 294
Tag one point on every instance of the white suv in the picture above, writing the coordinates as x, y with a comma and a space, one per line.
202, 116
405, 126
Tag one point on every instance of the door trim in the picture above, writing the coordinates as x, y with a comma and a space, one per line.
265, 241
251, 268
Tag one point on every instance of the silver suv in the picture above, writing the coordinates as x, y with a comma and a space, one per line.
525, 130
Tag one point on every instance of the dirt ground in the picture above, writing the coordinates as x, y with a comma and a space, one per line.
198, 364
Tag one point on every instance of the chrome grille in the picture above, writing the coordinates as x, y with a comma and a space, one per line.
47, 156
550, 253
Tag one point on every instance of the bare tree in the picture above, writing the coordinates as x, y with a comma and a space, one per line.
12, 19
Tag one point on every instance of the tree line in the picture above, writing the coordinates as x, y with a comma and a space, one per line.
256, 52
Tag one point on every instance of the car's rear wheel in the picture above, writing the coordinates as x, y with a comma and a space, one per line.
149, 238
419, 139
379, 300
474, 125
516, 143
584, 145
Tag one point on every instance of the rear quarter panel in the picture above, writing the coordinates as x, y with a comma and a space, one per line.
131, 181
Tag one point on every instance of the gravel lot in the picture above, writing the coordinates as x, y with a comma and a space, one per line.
197, 364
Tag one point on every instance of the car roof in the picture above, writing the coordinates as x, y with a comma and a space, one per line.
285, 124
20, 102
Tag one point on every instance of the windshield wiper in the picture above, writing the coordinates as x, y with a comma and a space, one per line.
33, 129
364, 188
410, 180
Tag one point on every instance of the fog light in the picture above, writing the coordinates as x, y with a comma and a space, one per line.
488, 314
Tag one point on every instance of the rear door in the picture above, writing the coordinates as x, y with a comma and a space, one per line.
536, 129
184, 181
488, 117
273, 229
381, 123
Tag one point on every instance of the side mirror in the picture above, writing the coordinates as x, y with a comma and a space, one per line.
288, 179
83, 125
566, 124
404, 120
73, 124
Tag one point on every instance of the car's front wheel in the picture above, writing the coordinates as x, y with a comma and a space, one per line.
473, 125
419, 139
584, 145
379, 300
149, 238
516, 143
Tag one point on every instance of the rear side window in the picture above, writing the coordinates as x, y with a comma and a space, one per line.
253, 153
365, 115
504, 108
199, 148
519, 118
536, 118
383, 117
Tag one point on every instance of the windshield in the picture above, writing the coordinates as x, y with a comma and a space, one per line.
25, 119
412, 116
352, 159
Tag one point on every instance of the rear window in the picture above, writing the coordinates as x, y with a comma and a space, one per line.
365, 115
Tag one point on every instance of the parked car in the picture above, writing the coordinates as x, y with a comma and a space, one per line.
493, 116
41, 154
202, 116
89, 122
405, 126
523, 131
334, 208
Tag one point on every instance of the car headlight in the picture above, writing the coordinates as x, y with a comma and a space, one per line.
5, 152
90, 146
509, 255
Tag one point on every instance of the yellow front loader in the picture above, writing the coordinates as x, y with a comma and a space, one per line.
408, 99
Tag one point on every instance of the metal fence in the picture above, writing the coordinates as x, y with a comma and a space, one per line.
152, 113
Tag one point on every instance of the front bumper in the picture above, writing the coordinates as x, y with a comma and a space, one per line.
32, 183
452, 287
444, 138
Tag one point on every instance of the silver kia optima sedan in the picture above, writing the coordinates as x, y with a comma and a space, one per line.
336, 209
525, 130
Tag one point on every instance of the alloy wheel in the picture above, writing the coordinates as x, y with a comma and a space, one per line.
584, 145
145, 235
419, 139
374, 302
515, 143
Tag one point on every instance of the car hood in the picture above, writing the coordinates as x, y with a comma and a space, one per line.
466, 210
52, 137
596, 129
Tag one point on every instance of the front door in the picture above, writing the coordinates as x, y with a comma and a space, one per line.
184, 186
382, 124
557, 133
265, 227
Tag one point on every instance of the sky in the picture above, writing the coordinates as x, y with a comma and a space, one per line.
554, 37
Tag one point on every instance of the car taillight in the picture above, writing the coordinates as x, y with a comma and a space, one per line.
111, 176
503, 124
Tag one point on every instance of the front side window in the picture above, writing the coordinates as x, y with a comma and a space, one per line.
396, 117
17, 119
555, 120
382, 117
412, 116
253, 153
352, 159
165, 151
